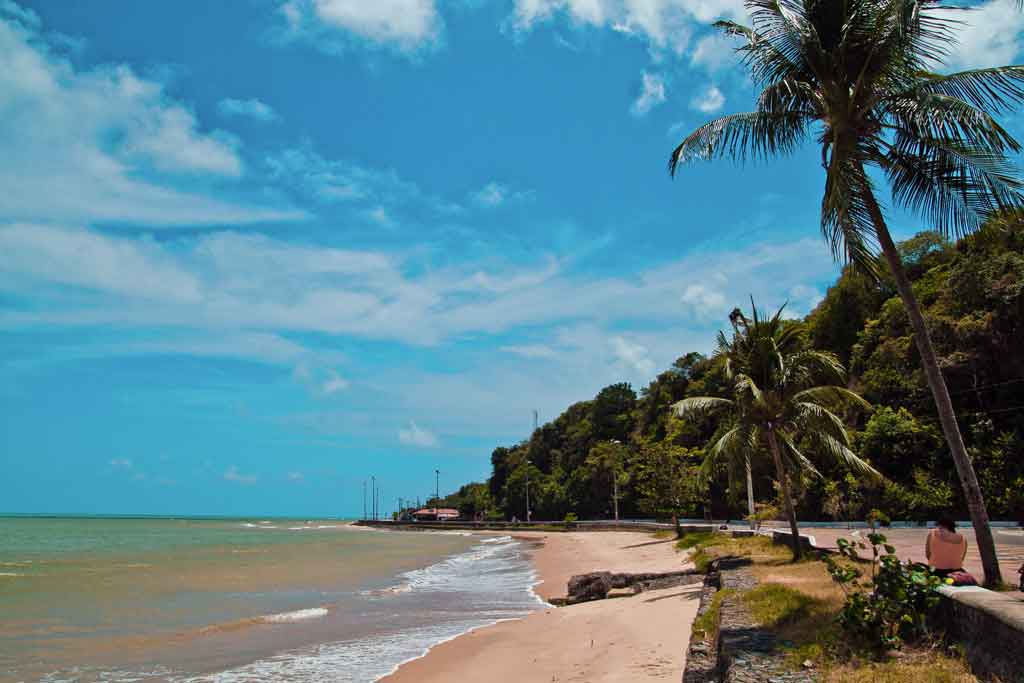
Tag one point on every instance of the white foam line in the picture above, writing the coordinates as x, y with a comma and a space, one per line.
427, 650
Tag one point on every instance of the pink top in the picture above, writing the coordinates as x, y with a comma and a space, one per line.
945, 549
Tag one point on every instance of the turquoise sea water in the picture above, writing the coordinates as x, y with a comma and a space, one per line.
157, 599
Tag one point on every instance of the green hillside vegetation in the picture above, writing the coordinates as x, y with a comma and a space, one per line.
971, 295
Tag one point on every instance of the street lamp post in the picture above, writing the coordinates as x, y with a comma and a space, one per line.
373, 496
364, 499
437, 489
528, 463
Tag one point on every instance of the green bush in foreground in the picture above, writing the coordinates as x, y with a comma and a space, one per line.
894, 605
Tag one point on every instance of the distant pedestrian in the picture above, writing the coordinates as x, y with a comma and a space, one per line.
945, 548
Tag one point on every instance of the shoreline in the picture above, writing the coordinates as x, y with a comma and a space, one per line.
636, 638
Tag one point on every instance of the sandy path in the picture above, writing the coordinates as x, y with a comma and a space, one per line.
639, 638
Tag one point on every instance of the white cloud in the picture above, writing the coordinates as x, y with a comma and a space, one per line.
634, 356
709, 100
652, 94
414, 435
105, 144
333, 384
251, 108
295, 476
530, 350
212, 292
124, 463
495, 194
713, 52
990, 36
232, 474
334, 181
705, 301
405, 25
665, 25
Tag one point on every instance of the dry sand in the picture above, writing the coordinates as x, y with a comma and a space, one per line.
637, 638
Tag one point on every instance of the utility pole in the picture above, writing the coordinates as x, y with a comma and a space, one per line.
373, 496
528, 463
437, 489
364, 499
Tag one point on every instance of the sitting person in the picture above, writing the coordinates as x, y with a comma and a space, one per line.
945, 548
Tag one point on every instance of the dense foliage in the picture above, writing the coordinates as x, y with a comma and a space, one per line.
972, 295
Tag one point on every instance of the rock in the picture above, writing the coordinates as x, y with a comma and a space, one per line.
593, 586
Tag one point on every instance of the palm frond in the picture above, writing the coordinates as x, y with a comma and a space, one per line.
831, 396
997, 89
753, 135
956, 187
699, 406
842, 454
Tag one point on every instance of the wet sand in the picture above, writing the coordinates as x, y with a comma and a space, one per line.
637, 638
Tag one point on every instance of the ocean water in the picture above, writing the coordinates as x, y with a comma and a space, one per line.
226, 601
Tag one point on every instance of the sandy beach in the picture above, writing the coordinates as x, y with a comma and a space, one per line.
638, 638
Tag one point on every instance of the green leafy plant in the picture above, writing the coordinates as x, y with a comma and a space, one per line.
571, 518
892, 607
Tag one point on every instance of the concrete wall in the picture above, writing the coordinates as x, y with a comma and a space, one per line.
989, 625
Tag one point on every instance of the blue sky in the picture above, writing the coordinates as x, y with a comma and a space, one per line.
253, 252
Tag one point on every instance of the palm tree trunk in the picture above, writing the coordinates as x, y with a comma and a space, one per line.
780, 472
964, 468
750, 494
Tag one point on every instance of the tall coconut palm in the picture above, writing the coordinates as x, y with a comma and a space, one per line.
859, 75
780, 396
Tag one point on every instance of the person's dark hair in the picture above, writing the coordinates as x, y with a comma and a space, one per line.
946, 522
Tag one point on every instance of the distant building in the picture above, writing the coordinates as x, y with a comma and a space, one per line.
435, 515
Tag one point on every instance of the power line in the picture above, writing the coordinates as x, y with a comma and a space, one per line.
987, 386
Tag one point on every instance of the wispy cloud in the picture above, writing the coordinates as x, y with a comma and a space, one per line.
991, 34
708, 100
251, 108
665, 25
105, 144
414, 435
123, 463
495, 194
339, 181
634, 355
228, 284
232, 474
652, 93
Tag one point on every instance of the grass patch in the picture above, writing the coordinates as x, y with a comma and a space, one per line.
694, 539
773, 604
940, 669
663, 534
707, 623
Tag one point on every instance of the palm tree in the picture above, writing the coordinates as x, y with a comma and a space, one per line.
780, 395
859, 72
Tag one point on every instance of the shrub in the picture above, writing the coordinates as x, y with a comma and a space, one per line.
890, 608
571, 518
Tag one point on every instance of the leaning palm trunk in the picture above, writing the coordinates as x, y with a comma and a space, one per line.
787, 499
937, 384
